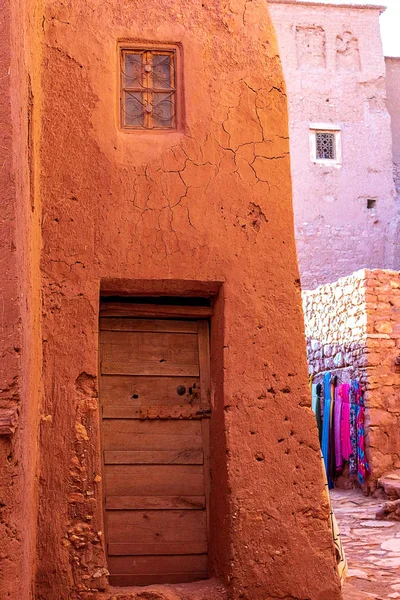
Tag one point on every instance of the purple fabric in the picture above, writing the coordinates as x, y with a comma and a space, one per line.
346, 448
337, 417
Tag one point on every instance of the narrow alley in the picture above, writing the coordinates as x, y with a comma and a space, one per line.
372, 547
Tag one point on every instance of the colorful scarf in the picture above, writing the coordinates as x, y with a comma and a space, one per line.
353, 429
362, 465
345, 421
337, 417
326, 426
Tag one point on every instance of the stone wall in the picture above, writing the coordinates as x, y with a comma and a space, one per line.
335, 72
353, 328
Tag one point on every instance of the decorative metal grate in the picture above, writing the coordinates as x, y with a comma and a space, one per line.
148, 89
325, 146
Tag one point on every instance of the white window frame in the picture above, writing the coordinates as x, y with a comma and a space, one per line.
326, 128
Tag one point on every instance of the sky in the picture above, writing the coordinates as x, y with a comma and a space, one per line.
390, 22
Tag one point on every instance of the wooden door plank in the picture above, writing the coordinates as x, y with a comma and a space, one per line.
143, 391
204, 361
146, 527
135, 435
131, 352
148, 565
155, 471
155, 503
153, 457
140, 579
157, 548
163, 325
205, 387
177, 411
151, 368
121, 309
154, 480
205, 427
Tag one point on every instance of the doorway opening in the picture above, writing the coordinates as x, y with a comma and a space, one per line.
155, 424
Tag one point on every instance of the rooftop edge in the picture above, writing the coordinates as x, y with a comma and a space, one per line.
379, 7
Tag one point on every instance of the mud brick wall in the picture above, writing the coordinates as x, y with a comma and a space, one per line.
155, 213
353, 329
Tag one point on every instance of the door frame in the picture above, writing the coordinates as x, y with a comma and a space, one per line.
202, 315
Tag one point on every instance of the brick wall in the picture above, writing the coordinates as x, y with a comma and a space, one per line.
353, 328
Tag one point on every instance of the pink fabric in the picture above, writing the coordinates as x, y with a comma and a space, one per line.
346, 448
337, 416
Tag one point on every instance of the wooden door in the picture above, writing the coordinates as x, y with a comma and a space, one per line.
155, 436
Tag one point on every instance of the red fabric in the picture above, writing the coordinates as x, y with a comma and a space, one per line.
345, 421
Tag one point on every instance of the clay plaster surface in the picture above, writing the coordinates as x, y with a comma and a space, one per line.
335, 74
19, 312
210, 202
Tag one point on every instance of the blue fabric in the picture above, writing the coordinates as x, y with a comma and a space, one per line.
314, 397
326, 426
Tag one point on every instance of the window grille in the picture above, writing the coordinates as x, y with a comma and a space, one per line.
148, 89
325, 146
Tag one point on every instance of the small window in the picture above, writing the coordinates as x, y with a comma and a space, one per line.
148, 89
325, 145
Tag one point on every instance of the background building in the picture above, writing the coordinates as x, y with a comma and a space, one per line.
346, 212
393, 105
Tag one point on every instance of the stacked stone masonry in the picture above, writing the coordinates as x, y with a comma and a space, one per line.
353, 329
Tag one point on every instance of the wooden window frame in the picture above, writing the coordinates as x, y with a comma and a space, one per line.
326, 128
148, 50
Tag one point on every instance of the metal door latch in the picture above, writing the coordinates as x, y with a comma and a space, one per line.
204, 411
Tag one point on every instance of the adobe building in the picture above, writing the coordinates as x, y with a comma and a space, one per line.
393, 106
155, 433
346, 212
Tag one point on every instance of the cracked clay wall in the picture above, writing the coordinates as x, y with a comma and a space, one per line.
20, 309
334, 66
209, 202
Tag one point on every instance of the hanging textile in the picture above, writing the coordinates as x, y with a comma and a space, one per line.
314, 397
340, 413
332, 454
337, 417
326, 425
362, 465
353, 431
345, 421
316, 406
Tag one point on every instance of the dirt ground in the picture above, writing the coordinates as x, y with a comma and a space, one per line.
372, 547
